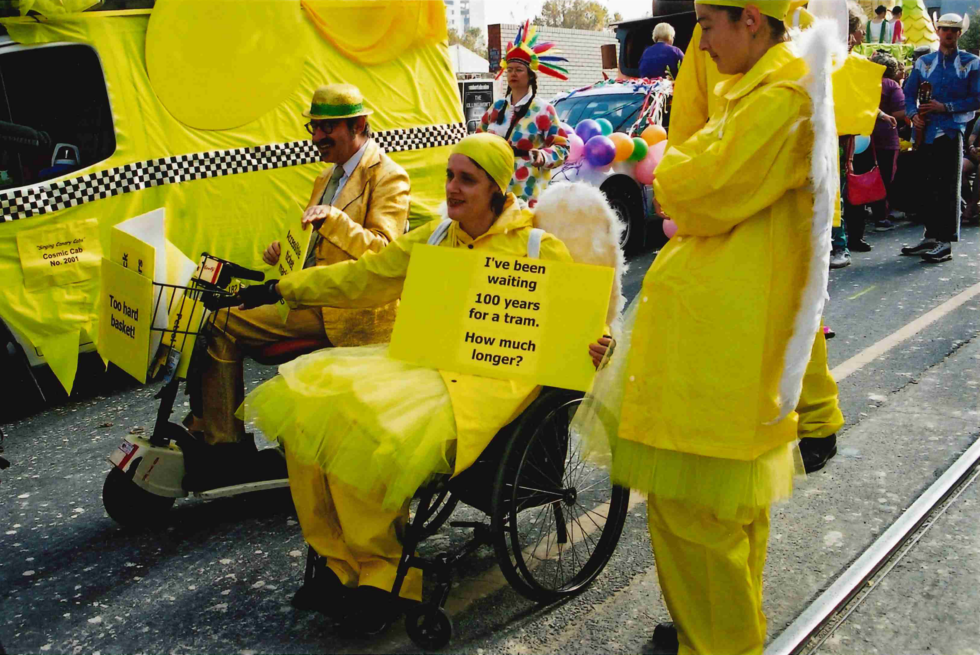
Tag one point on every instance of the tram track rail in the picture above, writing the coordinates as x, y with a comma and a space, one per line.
816, 624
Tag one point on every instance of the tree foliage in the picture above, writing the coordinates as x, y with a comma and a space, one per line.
971, 38
472, 40
575, 15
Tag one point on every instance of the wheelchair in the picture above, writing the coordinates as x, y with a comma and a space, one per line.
552, 517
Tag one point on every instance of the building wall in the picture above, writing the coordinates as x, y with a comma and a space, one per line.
580, 47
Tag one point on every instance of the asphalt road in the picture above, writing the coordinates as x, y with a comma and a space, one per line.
218, 577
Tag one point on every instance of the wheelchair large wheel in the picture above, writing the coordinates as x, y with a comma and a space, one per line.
556, 517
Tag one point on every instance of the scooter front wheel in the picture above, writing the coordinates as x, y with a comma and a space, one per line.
128, 504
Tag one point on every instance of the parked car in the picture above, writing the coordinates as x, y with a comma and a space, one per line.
619, 102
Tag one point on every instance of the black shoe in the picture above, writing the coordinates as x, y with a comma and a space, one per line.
322, 590
817, 452
372, 611
921, 247
219, 465
941, 253
859, 246
664, 640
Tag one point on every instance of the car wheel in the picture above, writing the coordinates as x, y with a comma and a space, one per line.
630, 212
26, 395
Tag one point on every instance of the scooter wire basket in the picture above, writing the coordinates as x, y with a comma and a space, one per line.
191, 310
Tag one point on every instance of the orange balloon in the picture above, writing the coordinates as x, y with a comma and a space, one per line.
654, 135
624, 146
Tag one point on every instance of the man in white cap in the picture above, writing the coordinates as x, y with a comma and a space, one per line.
955, 78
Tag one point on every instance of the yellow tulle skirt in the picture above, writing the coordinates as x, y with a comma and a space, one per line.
373, 422
732, 489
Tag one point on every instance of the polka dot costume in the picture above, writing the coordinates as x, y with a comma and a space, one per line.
539, 129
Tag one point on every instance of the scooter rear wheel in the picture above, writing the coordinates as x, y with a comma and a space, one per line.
128, 504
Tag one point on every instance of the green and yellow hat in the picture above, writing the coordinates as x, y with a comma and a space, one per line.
334, 101
775, 8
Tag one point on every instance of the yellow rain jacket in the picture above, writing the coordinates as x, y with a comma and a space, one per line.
718, 304
481, 405
857, 94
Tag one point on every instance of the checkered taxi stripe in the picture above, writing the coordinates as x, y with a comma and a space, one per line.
46, 198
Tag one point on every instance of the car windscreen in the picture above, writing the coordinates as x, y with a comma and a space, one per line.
620, 109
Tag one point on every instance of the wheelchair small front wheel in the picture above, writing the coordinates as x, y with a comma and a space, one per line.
556, 517
429, 628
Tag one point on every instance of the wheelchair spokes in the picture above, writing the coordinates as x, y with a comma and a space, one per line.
560, 514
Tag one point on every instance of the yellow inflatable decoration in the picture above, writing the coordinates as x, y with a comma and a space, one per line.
226, 191
224, 67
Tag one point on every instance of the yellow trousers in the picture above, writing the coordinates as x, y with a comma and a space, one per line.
818, 407
710, 573
222, 377
360, 540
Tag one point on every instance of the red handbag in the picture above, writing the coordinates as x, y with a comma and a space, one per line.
865, 188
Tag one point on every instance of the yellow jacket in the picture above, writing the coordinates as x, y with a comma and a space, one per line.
481, 405
718, 305
857, 94
370, 213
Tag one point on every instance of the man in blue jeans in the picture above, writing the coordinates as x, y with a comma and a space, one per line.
955, 78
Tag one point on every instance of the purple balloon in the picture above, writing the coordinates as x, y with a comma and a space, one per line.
587, 129
600, 151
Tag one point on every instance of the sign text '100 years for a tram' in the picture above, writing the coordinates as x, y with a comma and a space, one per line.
502, 316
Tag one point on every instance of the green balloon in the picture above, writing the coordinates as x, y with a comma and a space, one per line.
605, 125
640, 149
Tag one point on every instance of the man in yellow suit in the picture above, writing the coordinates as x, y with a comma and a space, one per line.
358, 205
693, 102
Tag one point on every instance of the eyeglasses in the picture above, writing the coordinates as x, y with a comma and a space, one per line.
325, 126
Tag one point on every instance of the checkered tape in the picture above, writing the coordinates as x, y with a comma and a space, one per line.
55, 196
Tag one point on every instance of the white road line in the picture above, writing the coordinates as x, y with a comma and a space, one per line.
868, 355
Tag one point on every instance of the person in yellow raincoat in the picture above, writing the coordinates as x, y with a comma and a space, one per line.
697, 402
362, 431
855, 104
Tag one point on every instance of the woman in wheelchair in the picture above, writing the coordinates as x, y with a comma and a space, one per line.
363, 432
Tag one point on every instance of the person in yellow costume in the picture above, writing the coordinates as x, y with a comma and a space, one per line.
697, 402
855, 108
362, 431
359, 205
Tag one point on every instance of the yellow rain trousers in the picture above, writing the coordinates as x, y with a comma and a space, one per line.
359, 538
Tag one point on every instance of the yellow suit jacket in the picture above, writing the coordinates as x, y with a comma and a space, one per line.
370, 213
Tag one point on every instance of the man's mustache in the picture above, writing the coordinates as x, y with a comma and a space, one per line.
325, 143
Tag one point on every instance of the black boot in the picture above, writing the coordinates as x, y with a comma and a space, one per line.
817, 452
372, 611
919, 248
322, 590
941, 253
219, 465
664, 640
859, 245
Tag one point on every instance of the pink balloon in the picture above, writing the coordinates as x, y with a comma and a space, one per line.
576, 148
670, 228
657, 151
645, 168
569, 130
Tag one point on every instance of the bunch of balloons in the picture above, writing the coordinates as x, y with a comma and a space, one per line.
595, 144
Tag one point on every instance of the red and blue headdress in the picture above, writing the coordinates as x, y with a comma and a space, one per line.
539, 57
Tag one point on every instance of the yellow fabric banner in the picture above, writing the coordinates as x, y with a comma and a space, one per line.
126, 314
501, 316
60, 254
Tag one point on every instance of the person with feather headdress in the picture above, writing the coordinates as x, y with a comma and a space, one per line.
527, 122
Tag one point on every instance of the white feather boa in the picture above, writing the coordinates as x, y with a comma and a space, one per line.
580, 216
820, 47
